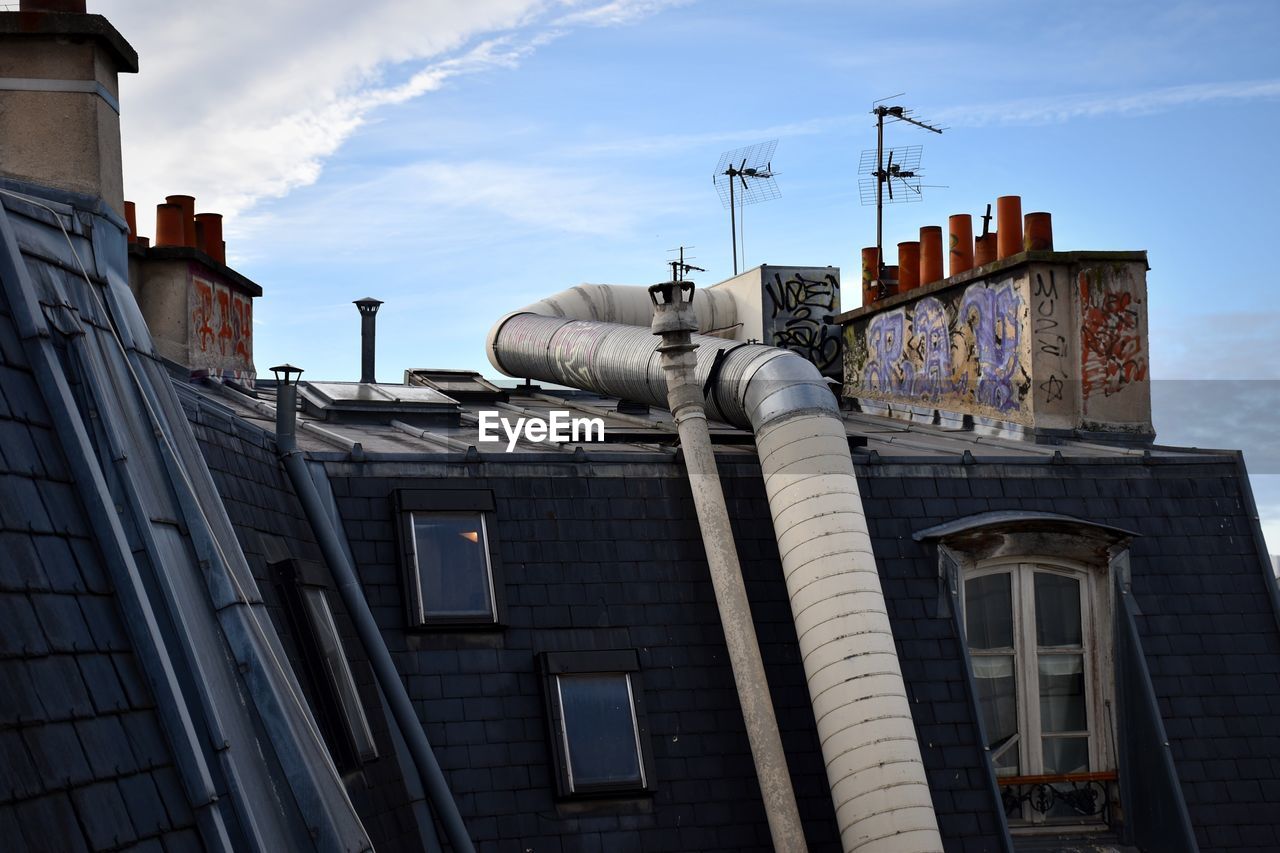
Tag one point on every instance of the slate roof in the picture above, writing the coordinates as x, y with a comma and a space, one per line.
119, 561
87, 765
1197, 557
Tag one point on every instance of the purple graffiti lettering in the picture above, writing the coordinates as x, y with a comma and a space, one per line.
993, 313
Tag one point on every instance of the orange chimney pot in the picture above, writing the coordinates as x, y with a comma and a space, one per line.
1009, 225
1038, 236
210, 225
930, 254
131, 219
188, 205
870, 274
908, 265
169, 228
984, 249
960, 226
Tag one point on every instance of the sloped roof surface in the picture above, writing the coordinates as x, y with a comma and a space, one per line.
87, 764
81, 379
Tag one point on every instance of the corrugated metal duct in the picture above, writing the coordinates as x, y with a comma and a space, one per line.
869, 744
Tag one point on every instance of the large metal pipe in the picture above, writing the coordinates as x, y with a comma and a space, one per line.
673, 319
860, 703
384, 668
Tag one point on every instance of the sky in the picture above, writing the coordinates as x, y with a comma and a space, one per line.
460, 159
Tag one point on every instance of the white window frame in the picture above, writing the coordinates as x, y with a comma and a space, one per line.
1098, 653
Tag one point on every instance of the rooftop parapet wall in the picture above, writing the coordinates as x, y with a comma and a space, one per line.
1048, 342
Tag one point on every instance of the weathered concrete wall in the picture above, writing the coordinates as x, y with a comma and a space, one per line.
198, 317
1047, 341
961, 350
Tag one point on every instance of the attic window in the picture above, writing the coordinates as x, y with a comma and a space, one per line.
449, 557
1035, 597
339, 709
598, 730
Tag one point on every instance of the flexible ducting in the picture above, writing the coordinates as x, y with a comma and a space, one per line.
869, 744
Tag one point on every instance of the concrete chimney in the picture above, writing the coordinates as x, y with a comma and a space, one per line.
59, 98
368, 336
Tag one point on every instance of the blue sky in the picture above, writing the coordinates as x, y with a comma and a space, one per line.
458, 160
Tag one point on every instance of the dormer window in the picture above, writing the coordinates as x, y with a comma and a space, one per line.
1034, 593
449, 557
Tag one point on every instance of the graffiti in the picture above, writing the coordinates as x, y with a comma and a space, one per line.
221, 324
799, 309
993, 314
886, 370
948, 350
1111, 353
934, 379
1052, 388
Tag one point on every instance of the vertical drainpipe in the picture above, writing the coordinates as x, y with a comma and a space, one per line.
368, 336
344, 575
674, 319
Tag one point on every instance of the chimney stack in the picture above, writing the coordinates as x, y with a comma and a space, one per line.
368, 334
59, 107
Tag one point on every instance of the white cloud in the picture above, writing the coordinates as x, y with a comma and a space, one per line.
1055, 110
239, 101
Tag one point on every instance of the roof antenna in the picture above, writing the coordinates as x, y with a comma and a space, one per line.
753, 168
681, 268
903, 165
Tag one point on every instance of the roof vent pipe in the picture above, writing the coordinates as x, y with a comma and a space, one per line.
674, 318
368, 336
352, 594
1008, 225
859, 699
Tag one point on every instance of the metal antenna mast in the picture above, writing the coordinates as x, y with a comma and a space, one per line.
681, 268
745, 176
906, 169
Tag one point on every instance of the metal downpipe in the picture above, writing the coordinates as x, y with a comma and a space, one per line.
673, 319
868, 738
384, 668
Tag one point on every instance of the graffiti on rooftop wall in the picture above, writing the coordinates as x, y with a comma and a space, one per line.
798, 309
221, 324
1111, 352
958, 350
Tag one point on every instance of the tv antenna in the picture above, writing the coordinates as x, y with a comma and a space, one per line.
681, 268
745, 176
902, 165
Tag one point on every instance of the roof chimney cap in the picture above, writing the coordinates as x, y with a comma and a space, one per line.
368, 305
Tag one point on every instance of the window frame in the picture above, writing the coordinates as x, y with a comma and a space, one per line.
409, 503
1094, 650
351, 742
553, 667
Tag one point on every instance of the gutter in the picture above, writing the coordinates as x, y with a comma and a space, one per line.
869, 744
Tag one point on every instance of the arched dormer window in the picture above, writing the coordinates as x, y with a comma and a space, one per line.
1036, 598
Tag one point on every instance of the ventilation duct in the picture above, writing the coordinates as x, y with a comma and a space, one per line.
869, 745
